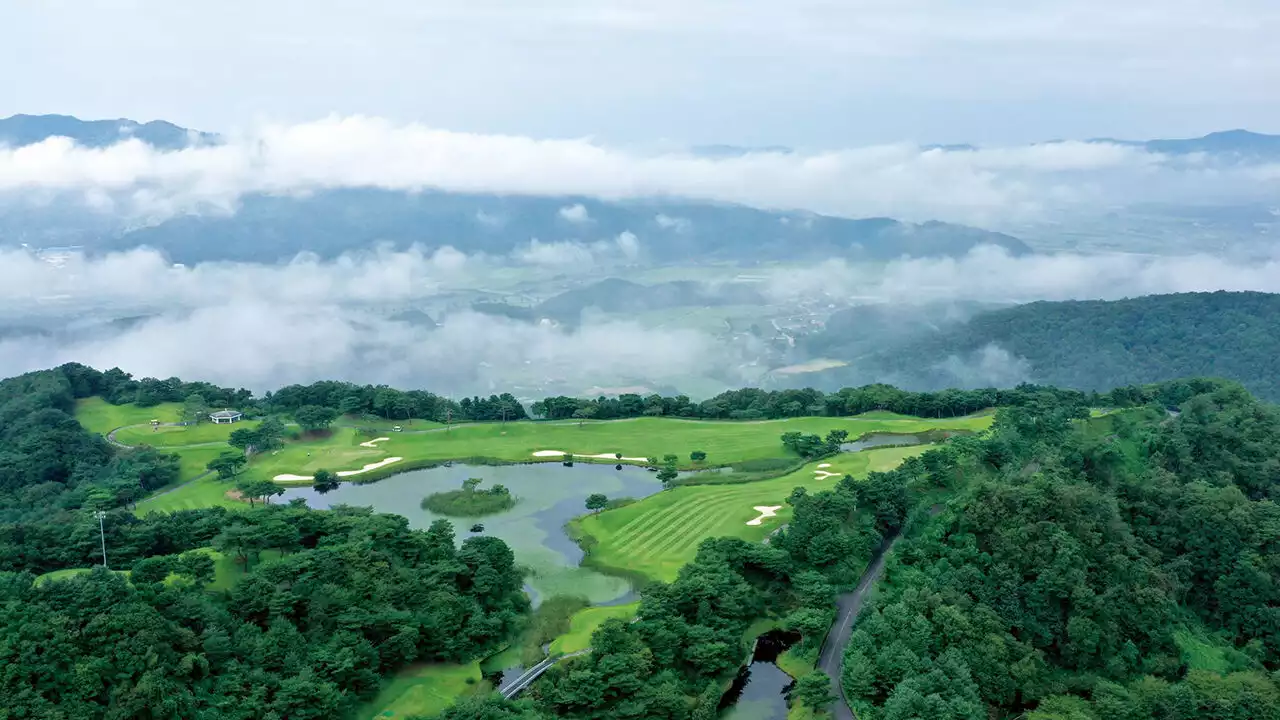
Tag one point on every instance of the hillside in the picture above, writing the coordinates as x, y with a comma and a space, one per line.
1088, 345
19, 130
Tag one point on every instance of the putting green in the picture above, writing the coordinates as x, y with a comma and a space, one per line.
660, 534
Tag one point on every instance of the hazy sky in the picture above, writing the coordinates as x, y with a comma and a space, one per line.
808, 73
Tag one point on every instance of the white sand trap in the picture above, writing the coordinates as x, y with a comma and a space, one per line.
824, 465
600, 456
614, 456
289, 477
766, 511
823, 475
374, 442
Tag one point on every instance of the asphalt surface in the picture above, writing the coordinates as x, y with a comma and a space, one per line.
848, 607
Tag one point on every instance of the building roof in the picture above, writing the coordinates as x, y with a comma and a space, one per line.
225, 414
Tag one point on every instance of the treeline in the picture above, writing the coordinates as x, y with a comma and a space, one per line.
327, 399
354, 597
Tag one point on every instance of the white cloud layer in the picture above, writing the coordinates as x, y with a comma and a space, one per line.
265, 326
986, 186
990, 274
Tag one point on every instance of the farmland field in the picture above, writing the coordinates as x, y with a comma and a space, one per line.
660, 534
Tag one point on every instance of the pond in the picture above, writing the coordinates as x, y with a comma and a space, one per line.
549, 495
875, 440
759, 692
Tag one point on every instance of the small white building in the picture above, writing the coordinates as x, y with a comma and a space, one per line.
224, 417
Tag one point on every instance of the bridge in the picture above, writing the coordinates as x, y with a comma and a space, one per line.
515, 686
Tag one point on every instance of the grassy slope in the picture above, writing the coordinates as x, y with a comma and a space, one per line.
97, 415
660, 534
169, 436
422, 690
585, 622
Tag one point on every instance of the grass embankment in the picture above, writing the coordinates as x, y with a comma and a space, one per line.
587, 621
98, 415
423, 690
660, 534
66, 573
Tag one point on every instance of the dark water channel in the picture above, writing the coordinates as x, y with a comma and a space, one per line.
760, 690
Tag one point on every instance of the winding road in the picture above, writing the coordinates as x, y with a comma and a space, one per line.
848, 607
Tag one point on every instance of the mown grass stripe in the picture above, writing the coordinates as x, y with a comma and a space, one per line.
683, 524
666, 516
644, 522
672, 545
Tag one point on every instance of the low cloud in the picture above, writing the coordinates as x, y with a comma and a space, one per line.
576, 214
983, 186
264, 326
991, 274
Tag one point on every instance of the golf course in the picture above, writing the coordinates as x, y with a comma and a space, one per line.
736, 487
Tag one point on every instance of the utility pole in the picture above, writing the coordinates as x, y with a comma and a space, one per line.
102, 533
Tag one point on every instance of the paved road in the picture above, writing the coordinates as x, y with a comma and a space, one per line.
515, 686
848, 607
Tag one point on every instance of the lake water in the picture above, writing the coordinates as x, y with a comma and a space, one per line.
549, 495
867, 442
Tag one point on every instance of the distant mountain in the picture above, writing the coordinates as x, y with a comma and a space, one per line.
329, 223
1241, 144
1090, 345
20, 130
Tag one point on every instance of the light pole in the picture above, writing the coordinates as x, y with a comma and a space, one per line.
102, 533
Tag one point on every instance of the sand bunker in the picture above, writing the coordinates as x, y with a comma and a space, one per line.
823, 474
289, 477
374, 442
766, 511
824, 465
600, 456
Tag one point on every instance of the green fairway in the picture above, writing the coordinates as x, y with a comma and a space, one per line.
585, 622
70, 573
724, 442
422, 690
98, 415
166, 436
208, 491
341, 450
660, 534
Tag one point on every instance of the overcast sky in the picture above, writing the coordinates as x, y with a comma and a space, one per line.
806, 73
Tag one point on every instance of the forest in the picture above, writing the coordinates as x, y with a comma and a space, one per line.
1087, 345
1071, 564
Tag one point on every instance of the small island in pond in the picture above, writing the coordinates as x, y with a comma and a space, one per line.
470, 501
